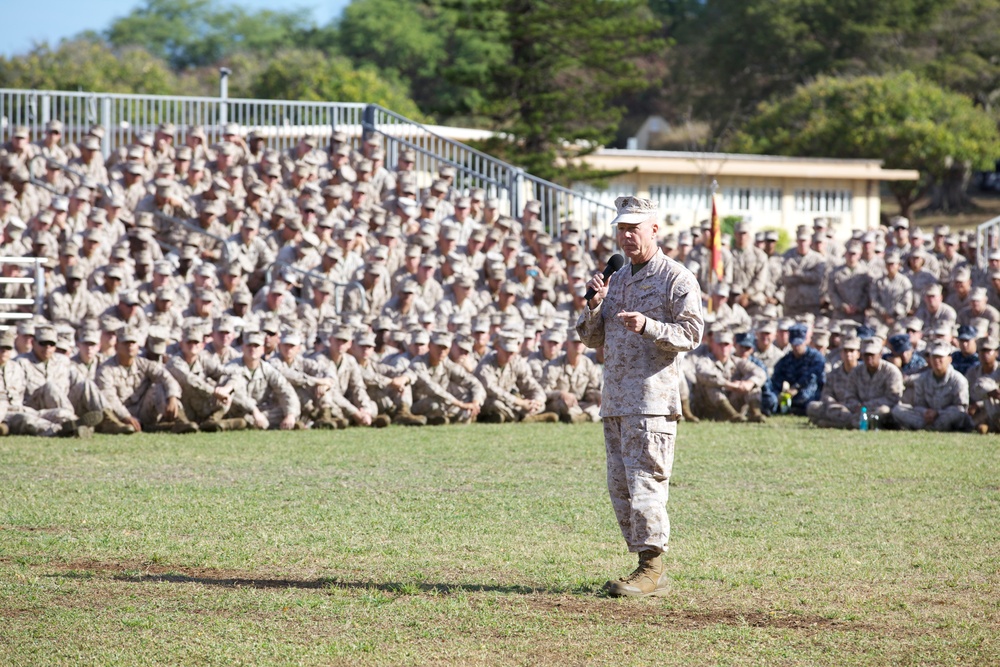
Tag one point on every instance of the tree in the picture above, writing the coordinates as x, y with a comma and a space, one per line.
88, 65
568, 62
907, 122
295, 74
427, 45
193, 33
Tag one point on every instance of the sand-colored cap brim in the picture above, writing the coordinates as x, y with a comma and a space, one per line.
632, 218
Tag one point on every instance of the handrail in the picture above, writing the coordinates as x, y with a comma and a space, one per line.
987, 240
226, 251
38, 280
64, 167
339, 286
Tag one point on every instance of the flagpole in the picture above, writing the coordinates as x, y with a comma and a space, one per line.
714, 240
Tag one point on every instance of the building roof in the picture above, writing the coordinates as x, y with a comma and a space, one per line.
718, 165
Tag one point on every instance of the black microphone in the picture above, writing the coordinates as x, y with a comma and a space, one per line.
614, 264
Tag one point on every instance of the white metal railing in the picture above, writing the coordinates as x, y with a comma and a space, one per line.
36, 279
284, 123
475, 169
122, 115
987, 240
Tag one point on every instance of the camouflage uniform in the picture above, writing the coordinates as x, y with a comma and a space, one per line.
263, 388
709, 391
831, 410
438, 388
641, 402
140, 390
584, 381
506, 384
948, 395
879, 392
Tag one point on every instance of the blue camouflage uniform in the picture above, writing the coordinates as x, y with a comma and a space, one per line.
963, 362
806, 374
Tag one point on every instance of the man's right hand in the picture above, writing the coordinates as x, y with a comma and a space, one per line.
134, 423
601, 290
260, 419
363, 418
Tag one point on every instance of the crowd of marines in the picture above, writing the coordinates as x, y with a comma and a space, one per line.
222, 286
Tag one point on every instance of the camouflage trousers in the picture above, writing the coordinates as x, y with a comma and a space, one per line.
706, 400
836, 415
390, 402
82, 397
558, 406
640, 452
23, 420
202, 408
149, 407
911, 418
988, 413
432, 405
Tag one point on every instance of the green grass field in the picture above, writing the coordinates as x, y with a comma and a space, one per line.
489, 545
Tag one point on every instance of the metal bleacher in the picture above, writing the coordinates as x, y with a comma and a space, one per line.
284, 123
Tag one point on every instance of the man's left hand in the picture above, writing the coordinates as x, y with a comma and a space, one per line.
634, 322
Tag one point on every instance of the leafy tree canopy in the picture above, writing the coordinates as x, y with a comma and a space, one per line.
90, 65
191, 33
901, 119
296, 74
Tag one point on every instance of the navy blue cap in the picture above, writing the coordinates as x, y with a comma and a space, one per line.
797, 334
966, 332
865, 332
744, 339
899, 343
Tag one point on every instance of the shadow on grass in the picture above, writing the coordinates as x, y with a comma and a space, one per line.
411, 588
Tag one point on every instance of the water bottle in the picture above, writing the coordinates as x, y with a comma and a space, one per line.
863, 424
784, 402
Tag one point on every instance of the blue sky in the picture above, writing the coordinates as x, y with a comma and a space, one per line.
28, 23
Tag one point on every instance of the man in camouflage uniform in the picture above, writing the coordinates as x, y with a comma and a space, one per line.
319, 394
444, 391
512, 393
802, 278
18, 418
387, 386
261, 395
984, 390
941, 397
725, 384
204, 398
750, 270
876, 385
648, 312
140, 392
53, 383
573, 383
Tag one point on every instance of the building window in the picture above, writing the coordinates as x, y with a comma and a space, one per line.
731, 200
823, 201
750, 199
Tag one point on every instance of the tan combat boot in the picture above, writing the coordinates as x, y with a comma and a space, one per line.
648, 580
756, 416
381, 421
325, 420
542, 417
686, 411
111, 425
581, 418
729, 413
438, 419
406, 418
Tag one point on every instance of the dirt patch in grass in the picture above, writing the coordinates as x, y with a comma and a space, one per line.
583, 608
649, 612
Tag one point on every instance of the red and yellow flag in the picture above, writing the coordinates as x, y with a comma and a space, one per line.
715, 240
